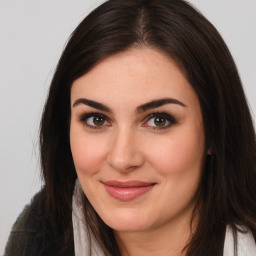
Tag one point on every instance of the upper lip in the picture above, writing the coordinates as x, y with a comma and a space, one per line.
127, 184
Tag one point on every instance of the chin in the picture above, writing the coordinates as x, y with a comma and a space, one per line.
126, 222
127, 227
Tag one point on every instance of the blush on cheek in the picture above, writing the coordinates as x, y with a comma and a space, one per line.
86, 158
177, 158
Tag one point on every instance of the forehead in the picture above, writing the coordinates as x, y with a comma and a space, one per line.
134, 75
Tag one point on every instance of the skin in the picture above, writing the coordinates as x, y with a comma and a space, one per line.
130, 145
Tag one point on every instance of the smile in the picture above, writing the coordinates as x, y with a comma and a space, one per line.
126, 191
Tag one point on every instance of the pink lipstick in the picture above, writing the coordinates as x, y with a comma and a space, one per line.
126, 191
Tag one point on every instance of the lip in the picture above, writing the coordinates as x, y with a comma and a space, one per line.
128, 190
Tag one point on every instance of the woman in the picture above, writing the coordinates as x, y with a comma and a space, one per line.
147, 143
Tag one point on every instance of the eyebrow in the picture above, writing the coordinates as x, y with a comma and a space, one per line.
93, 104
140, 109
158, 103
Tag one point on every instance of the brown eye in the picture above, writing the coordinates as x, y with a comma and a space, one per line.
160, 121
98, 120
95, 120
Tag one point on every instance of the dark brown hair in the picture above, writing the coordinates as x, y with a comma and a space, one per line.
227, 192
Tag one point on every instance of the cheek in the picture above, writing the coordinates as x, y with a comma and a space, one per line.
87, 154
178, 154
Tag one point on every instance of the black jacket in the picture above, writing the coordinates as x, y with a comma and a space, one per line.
32, 234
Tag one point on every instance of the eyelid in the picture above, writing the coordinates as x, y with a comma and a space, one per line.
86, 115
163, 114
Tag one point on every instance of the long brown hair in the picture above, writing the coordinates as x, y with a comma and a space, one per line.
227, 193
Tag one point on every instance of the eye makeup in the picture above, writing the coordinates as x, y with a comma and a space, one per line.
158, 120
94, 120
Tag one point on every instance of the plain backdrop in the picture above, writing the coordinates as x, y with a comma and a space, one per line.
32, 37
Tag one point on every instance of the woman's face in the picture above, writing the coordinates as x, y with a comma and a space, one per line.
137, 140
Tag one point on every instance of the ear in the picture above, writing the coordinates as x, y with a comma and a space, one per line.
209, 152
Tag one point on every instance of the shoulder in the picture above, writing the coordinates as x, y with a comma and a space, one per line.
29, 229
28, 219
32, 234
245, 242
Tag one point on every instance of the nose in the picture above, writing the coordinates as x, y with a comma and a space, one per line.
125, 154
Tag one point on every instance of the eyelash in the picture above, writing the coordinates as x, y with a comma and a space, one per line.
84, 119
169, 118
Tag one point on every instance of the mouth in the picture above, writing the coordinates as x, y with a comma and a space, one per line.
126, 191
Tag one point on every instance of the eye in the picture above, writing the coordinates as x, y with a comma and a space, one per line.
160, 121
95, 120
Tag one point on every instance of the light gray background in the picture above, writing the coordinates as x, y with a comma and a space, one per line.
32, 37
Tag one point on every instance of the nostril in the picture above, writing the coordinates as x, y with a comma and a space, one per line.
125, 162
124, 151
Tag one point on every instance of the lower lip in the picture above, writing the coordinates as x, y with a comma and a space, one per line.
127, 193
